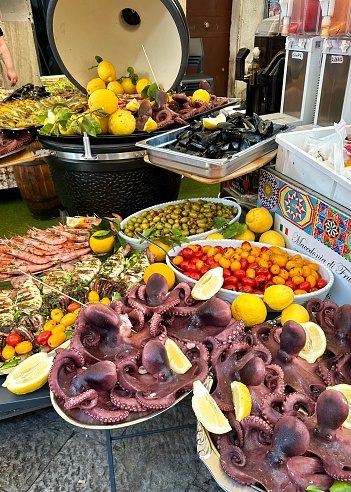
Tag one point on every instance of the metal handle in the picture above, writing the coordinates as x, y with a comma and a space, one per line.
207, 25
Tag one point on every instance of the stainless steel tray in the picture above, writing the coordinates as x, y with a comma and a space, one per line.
209, 168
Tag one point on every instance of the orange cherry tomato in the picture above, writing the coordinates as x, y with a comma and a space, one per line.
105, 300
313, 266
299, 292
284, 274
312, 280
224, 262
278, 280
56, 314
69, 318
58, 328
297, 279
93, 296
23, 347
73, 306
49, 325
56, 339
275, 269
177, 260
235, 265
8, 351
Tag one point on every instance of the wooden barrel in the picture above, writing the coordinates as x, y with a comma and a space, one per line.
37, 188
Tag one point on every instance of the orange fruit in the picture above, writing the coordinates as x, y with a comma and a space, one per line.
164, 270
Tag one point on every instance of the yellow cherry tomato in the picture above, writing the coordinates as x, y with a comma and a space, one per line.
23, 347
93, 296
49, 325
56, 314
68, 319
56, 339
177, 260
8, 351
105, 300
58, 328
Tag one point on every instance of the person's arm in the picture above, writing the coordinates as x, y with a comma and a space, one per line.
4, 51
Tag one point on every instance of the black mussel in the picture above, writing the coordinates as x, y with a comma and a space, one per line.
235, 146
184, 134
224, 146
210, 138
184, 142
213, 152
199, 136
248, 125
226, 125
245, 144
265, 128
196, 126
235, 118
231, 135
253, 138
196, 146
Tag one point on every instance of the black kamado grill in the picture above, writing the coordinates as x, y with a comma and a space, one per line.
107, 173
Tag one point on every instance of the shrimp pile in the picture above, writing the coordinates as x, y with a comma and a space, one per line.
43, 249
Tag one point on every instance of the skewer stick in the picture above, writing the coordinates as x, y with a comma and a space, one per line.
147, 59
52, 288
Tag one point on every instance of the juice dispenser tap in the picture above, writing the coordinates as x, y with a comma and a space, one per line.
327, 13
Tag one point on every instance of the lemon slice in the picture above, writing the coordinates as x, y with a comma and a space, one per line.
211, 123
208, 285
150, 125
30, 375
133, 105
345, 389
242, 399
316, 342
207, 411
74, 221
178, 362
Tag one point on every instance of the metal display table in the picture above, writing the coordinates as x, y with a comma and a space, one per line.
9, 402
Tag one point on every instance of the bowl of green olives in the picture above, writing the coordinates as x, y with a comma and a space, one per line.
194, 218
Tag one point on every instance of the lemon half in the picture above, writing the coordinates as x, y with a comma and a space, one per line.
207, 411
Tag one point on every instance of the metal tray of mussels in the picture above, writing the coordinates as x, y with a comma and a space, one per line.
201, 166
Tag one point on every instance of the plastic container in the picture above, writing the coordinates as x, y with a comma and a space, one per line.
293, 162
335, 14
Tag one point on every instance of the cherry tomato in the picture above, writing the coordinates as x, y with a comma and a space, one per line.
23, 347
187, 253
192, 268
246, 289
68, 319
248, 281
244, 263
177, 260
93, 296
13, 339
229, 286
48, 326
260, 281
184, 264
305, 286
104, 300
231, 280
58, 328
204, 270
290, 284
194, 275
8, 351
56, 339
73, 306
321, 283
56, 314
258, 292
262, 271
226, 272
43, 337
240, 274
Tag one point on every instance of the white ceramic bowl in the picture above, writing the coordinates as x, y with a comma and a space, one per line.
229, 295
139, 244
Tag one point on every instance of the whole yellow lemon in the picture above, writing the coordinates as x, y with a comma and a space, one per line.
106, 71
272, 237
101, 242
141, 84
295, 312
159, 254
115, 87
103, 99
164, 270
250, 308
95, 84
121, 122
128, 86
259, 219
278, 297
248, 235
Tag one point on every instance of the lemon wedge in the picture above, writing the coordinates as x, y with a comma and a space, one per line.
207, 411
208, 285
150, 125
345, 389
212, 122
133, 105
30, 375
316, 342
178, 361
241, 399
74, 221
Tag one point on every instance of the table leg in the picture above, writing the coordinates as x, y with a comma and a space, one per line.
110, 460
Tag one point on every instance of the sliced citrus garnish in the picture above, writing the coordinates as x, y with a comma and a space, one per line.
211, 123
241, 399
74, 221
178, 361
208, 285
345, 389
207, 411
150, 125
133, 105
316, 343
30, 375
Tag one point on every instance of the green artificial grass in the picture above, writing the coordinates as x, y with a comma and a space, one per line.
15, 217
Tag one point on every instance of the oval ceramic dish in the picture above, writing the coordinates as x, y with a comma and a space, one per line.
139, 244
229, 295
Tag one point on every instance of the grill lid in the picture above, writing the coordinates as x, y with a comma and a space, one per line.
116, 30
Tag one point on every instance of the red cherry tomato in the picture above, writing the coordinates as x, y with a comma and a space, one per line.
226, 272
13, 339
43, 337
204, 270
305, 286
231, 280
229, 286
191, 268
248, 282
264, 248
194, 276
187, 253
246, 289
198, 255
240, 273
262, 271
258, 292
260, 281
244, 263
184, 264
321, 283
290, 284
73, 306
